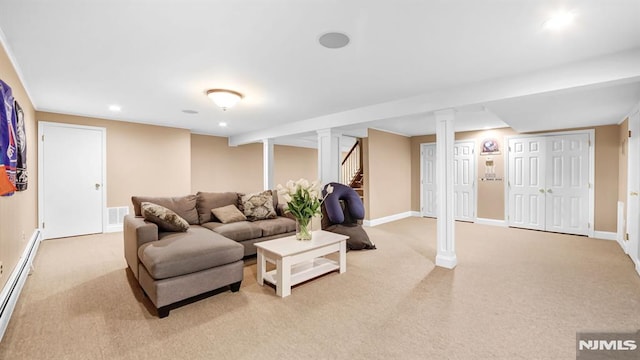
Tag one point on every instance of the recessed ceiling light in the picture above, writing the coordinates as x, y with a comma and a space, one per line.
115, 108
189, 111
222, 124
559, 20
334, 40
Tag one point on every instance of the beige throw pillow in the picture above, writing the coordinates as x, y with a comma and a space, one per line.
166, 219
228, 214
258, 206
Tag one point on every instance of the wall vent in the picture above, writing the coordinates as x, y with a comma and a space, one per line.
115, 218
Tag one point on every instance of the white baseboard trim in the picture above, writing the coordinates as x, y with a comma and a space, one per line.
390, 218
638, 268
11, 290
492, 222
605, 235
416, 214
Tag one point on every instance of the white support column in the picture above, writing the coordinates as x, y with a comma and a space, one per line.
267, 163
446, 252
329, 156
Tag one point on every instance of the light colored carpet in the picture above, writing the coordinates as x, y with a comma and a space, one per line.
515, 294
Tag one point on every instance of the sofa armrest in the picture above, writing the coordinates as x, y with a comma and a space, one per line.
137, 232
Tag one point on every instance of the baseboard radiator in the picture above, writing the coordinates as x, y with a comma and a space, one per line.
13, 287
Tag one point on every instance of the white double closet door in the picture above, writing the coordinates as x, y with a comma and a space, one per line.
464, 170
548, 183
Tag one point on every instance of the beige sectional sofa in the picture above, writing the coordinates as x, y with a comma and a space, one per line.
175, 266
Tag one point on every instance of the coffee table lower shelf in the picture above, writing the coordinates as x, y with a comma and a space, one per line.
298, 261
304, 271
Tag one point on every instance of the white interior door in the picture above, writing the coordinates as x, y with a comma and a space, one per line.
633, 188
549, 183
567, 184
71, 180
464, 175
429, 188
526, 183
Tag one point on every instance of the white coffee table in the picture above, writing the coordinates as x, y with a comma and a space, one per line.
300, 260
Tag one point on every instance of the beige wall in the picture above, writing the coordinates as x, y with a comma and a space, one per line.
388, 174
606, 177
366, 176
217, 167
141, 159
293, 163
18, 213
491, 193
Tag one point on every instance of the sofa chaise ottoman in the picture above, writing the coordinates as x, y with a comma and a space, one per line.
172, 266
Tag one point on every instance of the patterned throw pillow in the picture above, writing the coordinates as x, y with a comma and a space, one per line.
228, 214
258, 206
166, 219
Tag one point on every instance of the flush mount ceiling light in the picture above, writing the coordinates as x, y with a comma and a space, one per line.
559, 20
115, 108
224, 98
334, 40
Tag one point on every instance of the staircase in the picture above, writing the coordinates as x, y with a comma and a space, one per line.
351, 171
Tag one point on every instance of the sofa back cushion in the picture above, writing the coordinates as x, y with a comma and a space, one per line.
206, 201
184, 206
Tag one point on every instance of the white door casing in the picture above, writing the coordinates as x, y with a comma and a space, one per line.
633, 188
549, 183
71, 179
464, 173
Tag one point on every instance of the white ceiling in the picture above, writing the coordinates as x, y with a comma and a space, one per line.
491, 60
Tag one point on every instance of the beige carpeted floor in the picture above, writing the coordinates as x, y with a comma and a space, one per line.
515, 294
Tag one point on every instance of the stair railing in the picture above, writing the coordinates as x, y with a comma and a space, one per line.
351, 165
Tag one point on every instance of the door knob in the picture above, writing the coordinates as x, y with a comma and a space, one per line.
97, 186
633, 193
549, 191
541, 191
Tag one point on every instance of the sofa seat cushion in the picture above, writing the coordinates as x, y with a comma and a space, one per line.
238, 231
187, 252
279, 225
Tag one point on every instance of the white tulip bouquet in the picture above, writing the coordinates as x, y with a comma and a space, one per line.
303, 199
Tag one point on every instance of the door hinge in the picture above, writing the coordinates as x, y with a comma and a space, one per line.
589, 142
588, 225
43, 137
629, 133
43, 224
626, 236
589, 185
